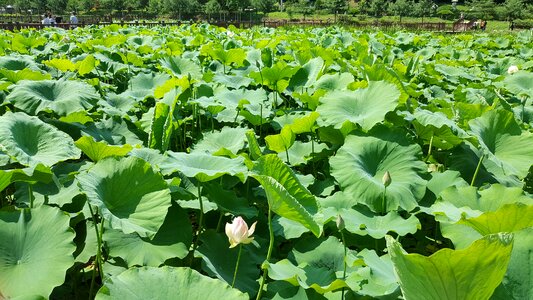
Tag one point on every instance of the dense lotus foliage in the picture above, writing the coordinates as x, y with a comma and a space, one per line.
371, 164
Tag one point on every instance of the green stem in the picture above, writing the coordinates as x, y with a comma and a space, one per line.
430, 146
200, 221
270, 246
236, 266
477, 170
30, 194
98, 251
384, 201
287, 153
261, 121
345, 264
219, 223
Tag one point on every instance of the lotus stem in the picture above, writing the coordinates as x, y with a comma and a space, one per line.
384, 202
236, 266
98, 250
261, 115
430, 146
345, 264
287, 154
30, 194
219, 223
200, 220
477, 170
270, 246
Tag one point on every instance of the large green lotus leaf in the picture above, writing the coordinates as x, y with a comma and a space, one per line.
99, 150
144, 85
376, 278
32, 175
219, 260
203, 167
307, 75
26, 74
365, 107
440, 181
509, 218
172, 240
318, 265
167, 283
467, 202
471, 273
302, 124
301, 152
31, 141
114, 131
288, 229
518, 281
231, 99
35, 244
116, 105
216, 143
228, 200
281, 142
334, 82
378, 226
437, 128
286, 195
508, 147
62, 64
520, 83
361, 162
62, 96
232, 81
455, 74
128, 193
181, 66
18, 62
361, 221
464, 158
161, 126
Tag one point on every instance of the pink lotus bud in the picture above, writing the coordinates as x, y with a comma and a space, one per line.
238, 232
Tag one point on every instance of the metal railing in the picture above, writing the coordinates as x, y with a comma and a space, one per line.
426, 26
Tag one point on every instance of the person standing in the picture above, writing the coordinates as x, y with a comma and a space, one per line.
73, 20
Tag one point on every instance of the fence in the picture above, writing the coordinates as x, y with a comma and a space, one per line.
427, 26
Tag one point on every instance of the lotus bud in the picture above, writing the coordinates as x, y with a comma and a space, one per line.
386, 179
238, 232
230, 33
512, 70
340, 222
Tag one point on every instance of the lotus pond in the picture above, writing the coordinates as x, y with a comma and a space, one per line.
198, 162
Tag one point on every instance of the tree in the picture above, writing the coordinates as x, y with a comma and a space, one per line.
180, 7
212, 7
264, 6
481, 9
79, 5
402, 8
425, 8
514, 9
376, 8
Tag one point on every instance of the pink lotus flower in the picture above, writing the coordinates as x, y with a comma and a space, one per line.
238, 232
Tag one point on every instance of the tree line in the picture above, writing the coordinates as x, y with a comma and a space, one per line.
484, 9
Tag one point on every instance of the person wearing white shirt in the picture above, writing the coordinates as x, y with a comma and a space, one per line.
46, 21
73, 20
